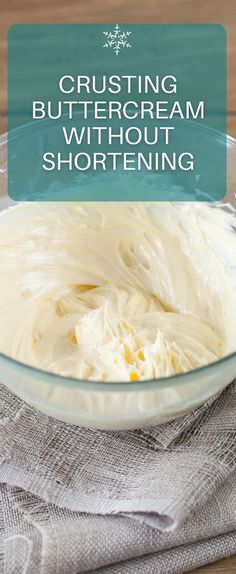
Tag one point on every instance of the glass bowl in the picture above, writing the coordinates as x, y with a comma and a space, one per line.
119, 405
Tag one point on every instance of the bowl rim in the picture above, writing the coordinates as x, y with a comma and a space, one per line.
34, 125
119, 386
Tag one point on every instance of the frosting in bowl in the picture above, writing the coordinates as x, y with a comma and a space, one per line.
117, 292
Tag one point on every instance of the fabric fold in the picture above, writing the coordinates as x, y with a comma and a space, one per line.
103, 472
42, 537
82, 500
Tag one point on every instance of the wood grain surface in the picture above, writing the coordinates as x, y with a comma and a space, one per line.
160, 11
135, 11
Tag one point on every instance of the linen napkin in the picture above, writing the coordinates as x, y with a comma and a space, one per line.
156, 500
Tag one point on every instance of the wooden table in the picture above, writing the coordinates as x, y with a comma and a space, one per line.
135, 11
160, 11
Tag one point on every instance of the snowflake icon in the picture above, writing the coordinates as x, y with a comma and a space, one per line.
117, 39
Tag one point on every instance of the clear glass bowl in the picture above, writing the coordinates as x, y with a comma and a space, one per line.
118, 405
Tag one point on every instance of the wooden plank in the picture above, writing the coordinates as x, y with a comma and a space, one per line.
184, 11
226, 566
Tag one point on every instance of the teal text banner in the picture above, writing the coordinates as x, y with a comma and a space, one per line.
117, 112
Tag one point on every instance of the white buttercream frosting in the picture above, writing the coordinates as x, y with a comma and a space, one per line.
117, 292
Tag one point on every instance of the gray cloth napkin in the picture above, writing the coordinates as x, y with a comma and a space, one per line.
158, 500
